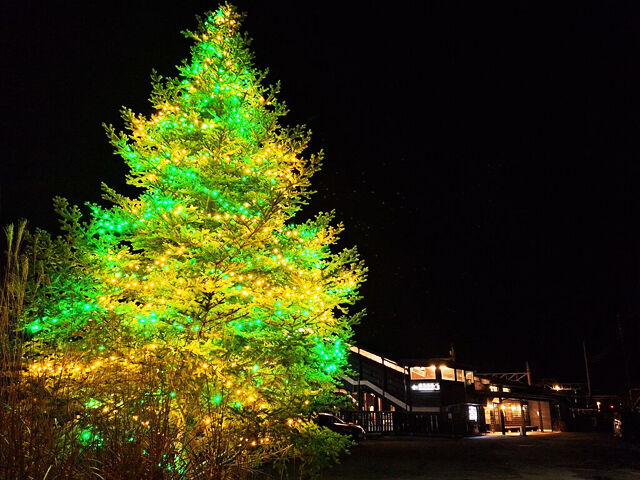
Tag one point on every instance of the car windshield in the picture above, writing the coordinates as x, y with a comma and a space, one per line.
328, 419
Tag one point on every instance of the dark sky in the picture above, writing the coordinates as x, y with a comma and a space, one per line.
484, 158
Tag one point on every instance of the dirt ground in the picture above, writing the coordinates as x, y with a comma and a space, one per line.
557, 456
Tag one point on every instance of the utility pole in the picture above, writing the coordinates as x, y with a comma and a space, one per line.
528, 373
586, 368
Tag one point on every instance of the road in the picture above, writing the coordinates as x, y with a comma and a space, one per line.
556, 456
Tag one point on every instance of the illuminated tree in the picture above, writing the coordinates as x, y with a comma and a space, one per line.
204, 313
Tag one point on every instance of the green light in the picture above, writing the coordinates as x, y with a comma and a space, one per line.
87, 437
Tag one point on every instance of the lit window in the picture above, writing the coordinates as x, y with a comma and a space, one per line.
469, 378
493, 388
423, 373
506, 389
447, 373
460, 375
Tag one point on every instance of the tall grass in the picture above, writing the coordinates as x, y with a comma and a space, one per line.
22, 424
34, 410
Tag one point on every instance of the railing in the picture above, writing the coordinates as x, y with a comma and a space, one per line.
396, 422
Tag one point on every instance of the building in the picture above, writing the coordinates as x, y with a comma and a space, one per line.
444, 396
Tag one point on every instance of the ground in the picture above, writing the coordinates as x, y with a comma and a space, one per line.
557, 456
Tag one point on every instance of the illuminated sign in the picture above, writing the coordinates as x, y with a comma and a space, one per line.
426, 387
473, 413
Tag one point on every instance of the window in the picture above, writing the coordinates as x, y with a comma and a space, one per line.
469, 378
493, 388
460, 375
423, 373
447, 373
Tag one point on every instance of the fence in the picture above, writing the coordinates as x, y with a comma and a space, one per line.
396, 422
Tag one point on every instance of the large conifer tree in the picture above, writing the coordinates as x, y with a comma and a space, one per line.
204, 310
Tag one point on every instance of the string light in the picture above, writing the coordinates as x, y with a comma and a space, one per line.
206, 280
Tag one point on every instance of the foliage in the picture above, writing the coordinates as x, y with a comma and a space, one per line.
185, 332
318, 448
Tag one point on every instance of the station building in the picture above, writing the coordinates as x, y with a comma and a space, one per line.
442, 395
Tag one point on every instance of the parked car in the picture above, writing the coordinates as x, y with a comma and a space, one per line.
355, 431
626, 425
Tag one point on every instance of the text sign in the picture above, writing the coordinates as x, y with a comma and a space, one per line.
426, 387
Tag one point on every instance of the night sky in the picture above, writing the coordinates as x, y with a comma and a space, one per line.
485, 159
